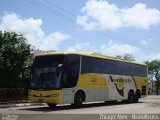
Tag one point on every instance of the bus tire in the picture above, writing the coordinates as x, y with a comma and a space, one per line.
131, 96
79, 98
124, 101
137, 96
51, 105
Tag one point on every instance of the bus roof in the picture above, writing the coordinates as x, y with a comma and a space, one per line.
90, 54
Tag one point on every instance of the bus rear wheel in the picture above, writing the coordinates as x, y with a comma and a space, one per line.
51, 105
131, 97
78, 99
136, 97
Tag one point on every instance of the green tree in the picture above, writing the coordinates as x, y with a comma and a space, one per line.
127, 57
13, 55
154, 70
153, 65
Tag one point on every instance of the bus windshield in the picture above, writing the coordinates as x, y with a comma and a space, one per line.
46, 72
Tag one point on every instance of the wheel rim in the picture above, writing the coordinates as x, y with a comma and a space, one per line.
136, 98
78, 99
131, 95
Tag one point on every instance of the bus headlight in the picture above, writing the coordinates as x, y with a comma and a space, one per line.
54, 95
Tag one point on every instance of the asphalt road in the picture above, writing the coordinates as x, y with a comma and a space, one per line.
148, 105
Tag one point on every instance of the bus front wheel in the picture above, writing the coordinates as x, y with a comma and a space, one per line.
79, 99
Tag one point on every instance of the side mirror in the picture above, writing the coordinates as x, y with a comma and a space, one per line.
22, 68
59, 68
28, 67
60, 65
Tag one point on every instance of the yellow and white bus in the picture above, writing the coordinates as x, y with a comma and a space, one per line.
74, 78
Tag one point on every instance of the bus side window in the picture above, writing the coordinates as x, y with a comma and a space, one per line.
71, 71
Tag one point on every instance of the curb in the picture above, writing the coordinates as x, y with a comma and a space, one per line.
21, 105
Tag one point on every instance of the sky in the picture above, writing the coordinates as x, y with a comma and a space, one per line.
112, 27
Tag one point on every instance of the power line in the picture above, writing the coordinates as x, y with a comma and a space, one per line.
60, 9
50, 10
70, 17
74, 16
61, 13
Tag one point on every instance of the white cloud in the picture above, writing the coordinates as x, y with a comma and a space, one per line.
118, 49
140, 55
31, 29
140, 16
153, 56
52, 41
79, 47
101, 15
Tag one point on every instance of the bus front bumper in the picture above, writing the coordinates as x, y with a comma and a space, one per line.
44, 100
53, 96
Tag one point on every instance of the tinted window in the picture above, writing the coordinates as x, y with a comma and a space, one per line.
123, 68
96, 65
110, 66
71, 71
46, 72
141, 70
48, 60
104, 66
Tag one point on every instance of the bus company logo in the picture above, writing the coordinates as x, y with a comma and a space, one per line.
119, 83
